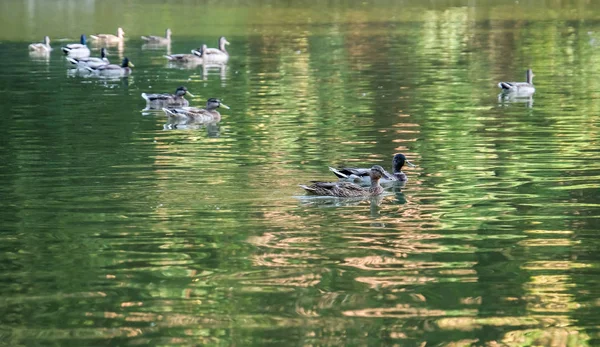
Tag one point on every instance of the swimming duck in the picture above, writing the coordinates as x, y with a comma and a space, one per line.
158, 39
208, 114
215, 54
93, 62
158, 101
521, 88
362, 175
77, 50
42, 46
194, 58
110, 38
113, 70
348, 189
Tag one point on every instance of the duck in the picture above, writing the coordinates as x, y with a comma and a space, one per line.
362, 175
42, 47
159, 101
113, 70
194, 58
93, 62
158, 39
521, 88
110, 38
345, 189
77, 50
215, 54
208, 114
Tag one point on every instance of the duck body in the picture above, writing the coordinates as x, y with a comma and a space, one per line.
42, 47
214, 55
345, 189
93, 62
519, 88
194, 58
77, 50
159, 101
158, 40
207, 115
113, 70
362, 175
110, 38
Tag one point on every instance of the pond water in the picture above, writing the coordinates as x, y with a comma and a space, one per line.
119, 229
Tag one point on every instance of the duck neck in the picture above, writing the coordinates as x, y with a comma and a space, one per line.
375, 186
529, 77
222, 47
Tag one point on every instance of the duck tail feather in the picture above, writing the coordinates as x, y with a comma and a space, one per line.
337, 173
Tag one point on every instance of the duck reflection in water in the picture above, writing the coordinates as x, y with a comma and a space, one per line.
505, 99
213, 130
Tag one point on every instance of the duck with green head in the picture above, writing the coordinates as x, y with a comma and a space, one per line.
77, 50
159, 101
362, 175
113, 70
93, 62
344, 189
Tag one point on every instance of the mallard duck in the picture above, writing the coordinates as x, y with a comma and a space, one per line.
208, 114
521, 88
77, 50
158, 39
158, 101
362, 175
348, 189
113, 70
194, 58
42, 46
93, 62
110, 38
214, 54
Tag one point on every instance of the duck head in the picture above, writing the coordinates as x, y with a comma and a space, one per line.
376, 173
214, 103
530, 76
126, 63
222, 42
399, 161
181, 91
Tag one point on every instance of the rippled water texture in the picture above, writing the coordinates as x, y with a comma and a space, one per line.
120, 228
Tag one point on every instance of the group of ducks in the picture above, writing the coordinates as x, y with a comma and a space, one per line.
174, 105
360, 182
353, 182
364, 182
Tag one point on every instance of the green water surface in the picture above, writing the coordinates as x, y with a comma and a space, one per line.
119, 229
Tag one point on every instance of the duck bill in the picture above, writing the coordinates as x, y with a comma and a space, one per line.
225, 106
190, 94
410, 164
130, 64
